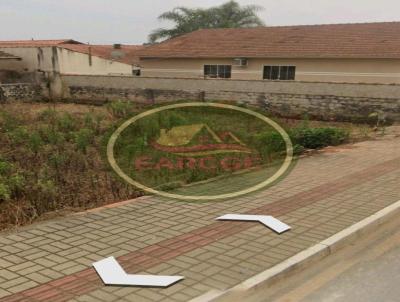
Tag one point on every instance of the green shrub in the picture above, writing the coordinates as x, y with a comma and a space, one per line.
52, 135
11, 182
298, 149
8, 122
19, 135
174, 119
119, 108
270, 142
48, 115
66, 122
56, 160
315, 138
5, 167
5, 193
35, 142
83, 138
16, 183
302, 138
93, 121
47, 191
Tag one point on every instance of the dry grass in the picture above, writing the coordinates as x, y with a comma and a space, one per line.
52, 158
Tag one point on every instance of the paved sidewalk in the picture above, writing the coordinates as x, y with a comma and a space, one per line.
324, 194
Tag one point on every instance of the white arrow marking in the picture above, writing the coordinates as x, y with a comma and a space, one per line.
269, 221
112, 273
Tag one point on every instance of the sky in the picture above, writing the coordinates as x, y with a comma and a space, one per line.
130, 21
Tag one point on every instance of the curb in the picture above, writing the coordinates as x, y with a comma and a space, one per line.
302, 259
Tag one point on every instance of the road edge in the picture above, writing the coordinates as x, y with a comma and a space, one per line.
303, 258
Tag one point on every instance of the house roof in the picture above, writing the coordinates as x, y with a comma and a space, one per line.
359, 40
7, 56
126, 54
37, 43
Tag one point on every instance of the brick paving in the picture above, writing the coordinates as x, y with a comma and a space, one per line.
324, 194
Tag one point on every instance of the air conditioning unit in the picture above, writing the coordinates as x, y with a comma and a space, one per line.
240, 62
117, 54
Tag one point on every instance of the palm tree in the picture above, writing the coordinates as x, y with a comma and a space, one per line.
227, 15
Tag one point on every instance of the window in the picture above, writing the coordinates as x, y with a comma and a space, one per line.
136, 72
217, 71
283, 73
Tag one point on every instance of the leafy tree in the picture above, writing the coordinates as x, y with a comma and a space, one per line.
227, 15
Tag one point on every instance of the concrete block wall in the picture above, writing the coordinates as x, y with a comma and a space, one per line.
22, 91
339, 101
328, 101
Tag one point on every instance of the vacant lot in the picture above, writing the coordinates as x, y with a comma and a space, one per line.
52, 156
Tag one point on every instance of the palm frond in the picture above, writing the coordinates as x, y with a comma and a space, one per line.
227, 15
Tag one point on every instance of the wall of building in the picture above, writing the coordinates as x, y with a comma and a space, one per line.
72, 62
34, 58
291, 99
320, 70
12, 76
60, 60
16, 65
22, 92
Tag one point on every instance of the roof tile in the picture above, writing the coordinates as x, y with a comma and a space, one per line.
37, 43
126, 54
359, 40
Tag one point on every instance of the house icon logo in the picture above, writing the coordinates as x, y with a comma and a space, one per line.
200, 151
198, 140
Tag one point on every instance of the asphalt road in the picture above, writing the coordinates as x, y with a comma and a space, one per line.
368, 270
375, 276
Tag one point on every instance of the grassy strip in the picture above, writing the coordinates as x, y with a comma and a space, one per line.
52, 156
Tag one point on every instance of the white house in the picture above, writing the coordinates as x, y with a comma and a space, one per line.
71, 57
